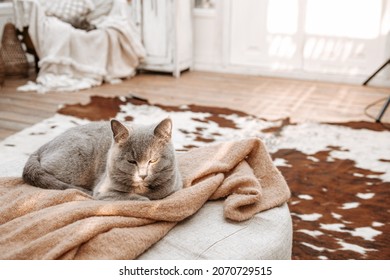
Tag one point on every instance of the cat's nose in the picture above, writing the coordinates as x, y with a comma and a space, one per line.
143, 176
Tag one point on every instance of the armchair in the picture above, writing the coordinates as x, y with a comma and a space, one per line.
71, 58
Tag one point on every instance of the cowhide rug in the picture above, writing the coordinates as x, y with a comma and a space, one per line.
339, 174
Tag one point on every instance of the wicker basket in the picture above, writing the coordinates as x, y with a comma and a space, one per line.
12, 53
2, 71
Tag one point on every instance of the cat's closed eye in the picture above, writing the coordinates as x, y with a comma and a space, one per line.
154, 160
132, 161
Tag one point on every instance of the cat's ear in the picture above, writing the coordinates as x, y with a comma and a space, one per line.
120, 132
164, 129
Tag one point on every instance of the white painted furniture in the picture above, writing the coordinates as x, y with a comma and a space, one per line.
166, 32
329, 40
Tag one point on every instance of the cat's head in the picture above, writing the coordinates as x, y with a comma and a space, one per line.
142, 159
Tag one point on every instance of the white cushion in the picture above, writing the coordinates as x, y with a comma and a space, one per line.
68, 10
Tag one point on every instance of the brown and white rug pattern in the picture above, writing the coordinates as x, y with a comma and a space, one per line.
339, 174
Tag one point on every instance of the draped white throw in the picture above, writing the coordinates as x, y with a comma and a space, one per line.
74, 59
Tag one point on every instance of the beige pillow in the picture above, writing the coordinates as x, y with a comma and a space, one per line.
70, 11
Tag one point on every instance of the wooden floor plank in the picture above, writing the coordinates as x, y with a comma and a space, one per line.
25, 109
11, 126
5, 133
269, 98
16, 117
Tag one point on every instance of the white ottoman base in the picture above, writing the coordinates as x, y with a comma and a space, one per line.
207, 235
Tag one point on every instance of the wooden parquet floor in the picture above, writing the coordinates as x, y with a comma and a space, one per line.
269, 98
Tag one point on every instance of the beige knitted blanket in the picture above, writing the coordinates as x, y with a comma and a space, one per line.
50, 224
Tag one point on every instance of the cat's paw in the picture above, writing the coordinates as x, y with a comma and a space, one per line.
113, 196
138, 197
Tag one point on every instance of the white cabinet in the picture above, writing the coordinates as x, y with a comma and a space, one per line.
166, 31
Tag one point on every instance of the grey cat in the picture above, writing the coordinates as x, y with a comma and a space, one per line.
109, 160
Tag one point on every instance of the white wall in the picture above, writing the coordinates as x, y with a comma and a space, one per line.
328, 40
